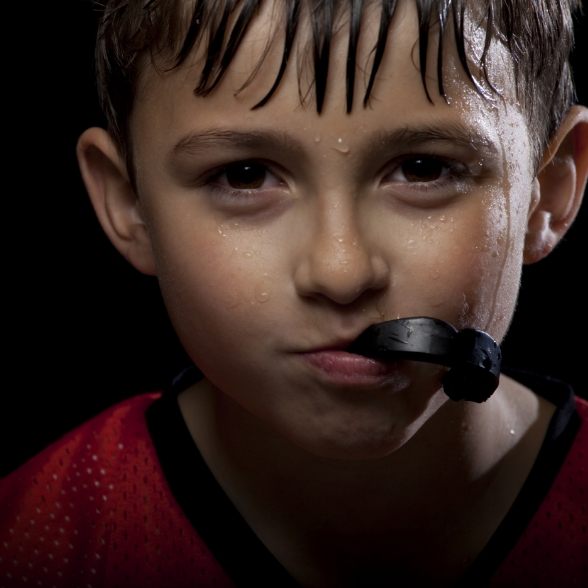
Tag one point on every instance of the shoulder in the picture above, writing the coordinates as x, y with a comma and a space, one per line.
94, 508
552, 549
582, 408
86, 466
84, 453
570, 488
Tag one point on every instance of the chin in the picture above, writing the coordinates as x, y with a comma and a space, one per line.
362, 434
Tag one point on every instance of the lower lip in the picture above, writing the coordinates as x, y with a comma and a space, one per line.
350, 369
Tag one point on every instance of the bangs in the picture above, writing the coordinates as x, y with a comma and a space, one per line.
222, 25
538, 37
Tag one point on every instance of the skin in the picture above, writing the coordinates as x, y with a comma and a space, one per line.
335, 236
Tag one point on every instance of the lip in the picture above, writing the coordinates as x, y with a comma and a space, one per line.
339, 367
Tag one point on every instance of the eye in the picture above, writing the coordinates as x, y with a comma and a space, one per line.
245, 175
421, 169
426, 180
247, 185
241, 178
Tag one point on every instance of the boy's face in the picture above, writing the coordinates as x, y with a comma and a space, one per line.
279, 234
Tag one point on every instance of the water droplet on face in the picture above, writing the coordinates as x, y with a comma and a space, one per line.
380, 309
411, 243
262, 296
248, 254
231, 302
341, 147
340, 240
442, 218
317, 139
262, 292
512, 431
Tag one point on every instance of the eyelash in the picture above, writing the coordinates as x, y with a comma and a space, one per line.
213, 184
454, 172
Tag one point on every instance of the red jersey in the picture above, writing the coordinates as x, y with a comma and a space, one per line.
111, 505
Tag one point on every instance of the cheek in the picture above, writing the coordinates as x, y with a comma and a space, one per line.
496, 269
217, 283
466, 266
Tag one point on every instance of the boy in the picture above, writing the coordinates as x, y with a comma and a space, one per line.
294, 172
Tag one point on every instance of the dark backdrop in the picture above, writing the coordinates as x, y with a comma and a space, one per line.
83, 329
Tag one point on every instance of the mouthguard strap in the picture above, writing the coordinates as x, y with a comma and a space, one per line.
472, 356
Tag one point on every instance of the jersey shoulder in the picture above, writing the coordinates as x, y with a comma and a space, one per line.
94, 508
553, 550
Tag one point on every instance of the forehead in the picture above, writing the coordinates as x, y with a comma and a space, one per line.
400, 91
270, 36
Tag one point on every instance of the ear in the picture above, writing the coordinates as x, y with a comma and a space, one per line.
114, 199
559, 186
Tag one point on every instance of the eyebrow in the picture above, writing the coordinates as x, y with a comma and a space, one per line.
452, 132
456, 133
201, 141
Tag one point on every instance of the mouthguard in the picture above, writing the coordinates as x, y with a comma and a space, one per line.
472, 356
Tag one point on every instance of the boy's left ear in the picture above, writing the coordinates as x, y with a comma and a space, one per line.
559, 186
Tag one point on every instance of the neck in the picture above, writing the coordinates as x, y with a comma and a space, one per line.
463, 464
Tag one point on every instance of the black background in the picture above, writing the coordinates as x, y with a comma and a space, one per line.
83, 329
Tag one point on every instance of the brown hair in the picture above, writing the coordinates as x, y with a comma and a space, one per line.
538, 35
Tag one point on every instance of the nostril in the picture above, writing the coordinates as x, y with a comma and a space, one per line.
344, 281
337, 263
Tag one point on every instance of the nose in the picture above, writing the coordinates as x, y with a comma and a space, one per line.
340, 262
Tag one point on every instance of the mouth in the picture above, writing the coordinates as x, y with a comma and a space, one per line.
348, 366
472, 356
336, 363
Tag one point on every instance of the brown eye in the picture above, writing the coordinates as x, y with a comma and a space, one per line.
246, 175
423, 169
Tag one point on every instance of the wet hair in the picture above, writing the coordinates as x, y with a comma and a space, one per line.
538, 36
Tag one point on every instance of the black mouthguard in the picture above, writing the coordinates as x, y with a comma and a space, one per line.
472, 356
